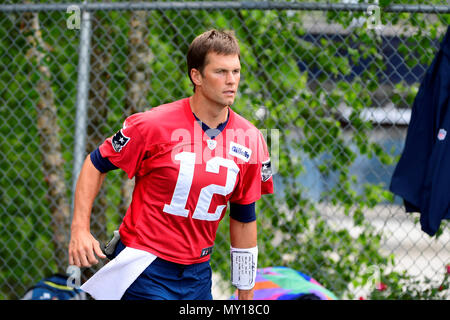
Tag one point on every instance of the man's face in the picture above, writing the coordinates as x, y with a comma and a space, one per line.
219, 80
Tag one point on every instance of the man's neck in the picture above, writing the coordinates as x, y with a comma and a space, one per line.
210, 114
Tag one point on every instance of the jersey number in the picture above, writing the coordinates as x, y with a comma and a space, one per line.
184, 182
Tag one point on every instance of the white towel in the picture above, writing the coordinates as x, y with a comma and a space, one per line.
111, 281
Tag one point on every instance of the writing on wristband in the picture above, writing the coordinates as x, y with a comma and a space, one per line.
243, 267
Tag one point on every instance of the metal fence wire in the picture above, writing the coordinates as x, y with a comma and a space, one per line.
330, 84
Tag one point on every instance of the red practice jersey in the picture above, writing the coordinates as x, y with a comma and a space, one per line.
184, 179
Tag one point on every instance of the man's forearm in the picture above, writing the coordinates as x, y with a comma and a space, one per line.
87, 188
243, 235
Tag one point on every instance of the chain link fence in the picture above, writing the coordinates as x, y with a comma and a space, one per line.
330, 84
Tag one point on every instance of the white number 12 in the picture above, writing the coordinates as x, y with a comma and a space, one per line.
184, 182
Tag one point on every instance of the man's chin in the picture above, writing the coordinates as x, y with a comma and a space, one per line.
229, 102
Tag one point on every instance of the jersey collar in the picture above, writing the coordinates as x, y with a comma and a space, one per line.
212, 133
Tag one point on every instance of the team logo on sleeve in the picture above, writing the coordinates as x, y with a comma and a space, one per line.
266, 170
119, 141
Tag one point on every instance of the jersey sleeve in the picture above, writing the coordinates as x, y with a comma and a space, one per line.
126, 149
257, 178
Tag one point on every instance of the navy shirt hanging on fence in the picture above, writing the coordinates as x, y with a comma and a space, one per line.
422, 176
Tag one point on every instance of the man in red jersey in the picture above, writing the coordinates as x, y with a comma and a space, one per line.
189, 159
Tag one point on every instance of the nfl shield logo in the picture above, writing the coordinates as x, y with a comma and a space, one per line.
211, 144
442, 134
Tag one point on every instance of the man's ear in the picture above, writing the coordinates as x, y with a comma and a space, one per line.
196, 77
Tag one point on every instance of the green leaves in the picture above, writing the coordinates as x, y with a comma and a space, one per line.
308, 90
384, 3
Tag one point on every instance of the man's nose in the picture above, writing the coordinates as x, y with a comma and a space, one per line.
231, 78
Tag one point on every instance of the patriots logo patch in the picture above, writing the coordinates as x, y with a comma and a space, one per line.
266, 171
119, 141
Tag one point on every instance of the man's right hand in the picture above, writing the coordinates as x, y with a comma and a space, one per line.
83, 247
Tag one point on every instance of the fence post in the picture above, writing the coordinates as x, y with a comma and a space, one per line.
81, 113
80, 120
82, 100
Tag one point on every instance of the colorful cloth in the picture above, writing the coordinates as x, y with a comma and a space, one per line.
281, 283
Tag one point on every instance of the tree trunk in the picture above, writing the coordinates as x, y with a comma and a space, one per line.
48, 130
97, 113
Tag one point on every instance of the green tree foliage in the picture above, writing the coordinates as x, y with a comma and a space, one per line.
28, 251
299, 115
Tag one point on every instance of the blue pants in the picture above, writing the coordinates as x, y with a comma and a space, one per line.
164, 280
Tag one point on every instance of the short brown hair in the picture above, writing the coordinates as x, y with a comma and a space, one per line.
220, 42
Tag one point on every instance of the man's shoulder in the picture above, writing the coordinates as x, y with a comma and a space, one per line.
245, 133
242, 123
165, 109
160, 114
170, 106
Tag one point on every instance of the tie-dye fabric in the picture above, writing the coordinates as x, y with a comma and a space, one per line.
281, 283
